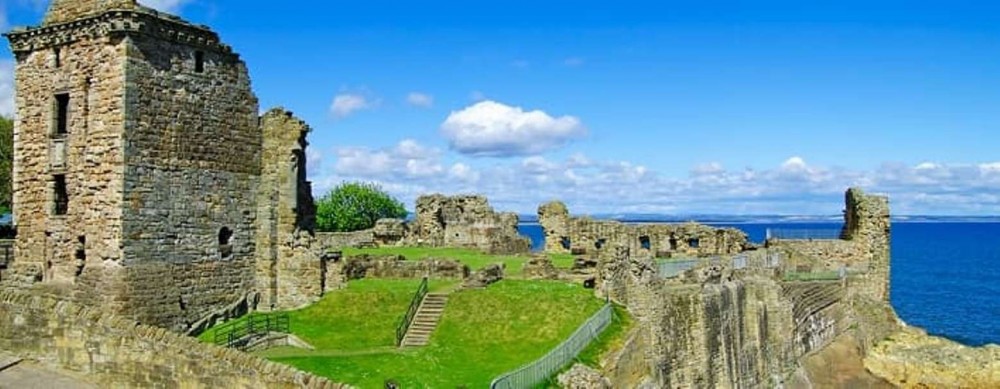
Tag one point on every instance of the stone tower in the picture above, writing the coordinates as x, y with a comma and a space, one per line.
137, 162
867, 222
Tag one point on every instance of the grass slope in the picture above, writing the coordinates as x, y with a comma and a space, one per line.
473, 258
333, 323
482, 334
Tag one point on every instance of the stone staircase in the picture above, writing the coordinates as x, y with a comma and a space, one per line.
426, 320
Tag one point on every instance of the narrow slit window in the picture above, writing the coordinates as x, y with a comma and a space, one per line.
62, 114
58, 57
61, 195
199, 61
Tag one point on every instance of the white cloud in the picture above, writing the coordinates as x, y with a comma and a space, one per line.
408, 159
6, 88
489, 128
421, 100
345, 104
590, 185
170, 6
463, 172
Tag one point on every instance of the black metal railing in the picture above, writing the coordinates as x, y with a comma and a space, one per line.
411, 312
239, 333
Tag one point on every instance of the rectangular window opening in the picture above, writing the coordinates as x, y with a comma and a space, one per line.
58, 59
62, 114
61, 195
199, 61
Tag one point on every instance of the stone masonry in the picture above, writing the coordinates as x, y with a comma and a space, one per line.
577, 235
442, 221
138, 165
746, 327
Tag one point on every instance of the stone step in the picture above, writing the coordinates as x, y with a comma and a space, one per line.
426, 320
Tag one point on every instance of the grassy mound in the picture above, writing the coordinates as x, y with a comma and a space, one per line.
473, 258
482, 334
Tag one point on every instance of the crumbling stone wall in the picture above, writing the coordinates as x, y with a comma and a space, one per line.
867, 222
396, 266
291, 271
442, 221
465, 221
341, 240
723, 327
115, 352
565, 234
864, 245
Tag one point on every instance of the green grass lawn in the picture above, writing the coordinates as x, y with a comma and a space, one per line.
473, 258
372, 305
483, 333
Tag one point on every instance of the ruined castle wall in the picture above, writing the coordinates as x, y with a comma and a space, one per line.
192, 160
464, 221
580, 235
290, 272
341, 240
112, 351
73, 248
867, 222
716, 331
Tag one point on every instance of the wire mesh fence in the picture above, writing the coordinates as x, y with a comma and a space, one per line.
537, 372
803, 234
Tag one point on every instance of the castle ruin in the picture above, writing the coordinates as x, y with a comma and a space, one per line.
144, 181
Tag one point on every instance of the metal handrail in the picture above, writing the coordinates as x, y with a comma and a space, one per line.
236, 333
411, 312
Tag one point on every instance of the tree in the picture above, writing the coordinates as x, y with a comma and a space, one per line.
6, 163
355, 206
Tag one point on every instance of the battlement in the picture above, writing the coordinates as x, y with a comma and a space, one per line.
116, 22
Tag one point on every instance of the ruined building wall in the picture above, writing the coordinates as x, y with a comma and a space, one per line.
82, 246
192, 160
724, 327
867, 222
161, 163
465, 221
290, 272
565, 234
720, 331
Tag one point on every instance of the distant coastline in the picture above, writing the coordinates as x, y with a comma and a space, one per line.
769, 219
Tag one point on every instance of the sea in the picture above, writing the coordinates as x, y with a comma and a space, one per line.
945, 275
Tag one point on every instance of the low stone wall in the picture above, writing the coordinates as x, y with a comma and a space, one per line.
114, 352
340, 240
828, 254
396, 266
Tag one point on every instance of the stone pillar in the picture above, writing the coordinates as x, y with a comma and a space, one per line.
867, 222
554, 218
290, 271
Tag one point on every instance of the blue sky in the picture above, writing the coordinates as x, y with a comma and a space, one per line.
677, 107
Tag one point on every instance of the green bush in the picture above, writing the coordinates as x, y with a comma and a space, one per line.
354, 206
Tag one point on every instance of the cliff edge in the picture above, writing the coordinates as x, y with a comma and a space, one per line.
911, 358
